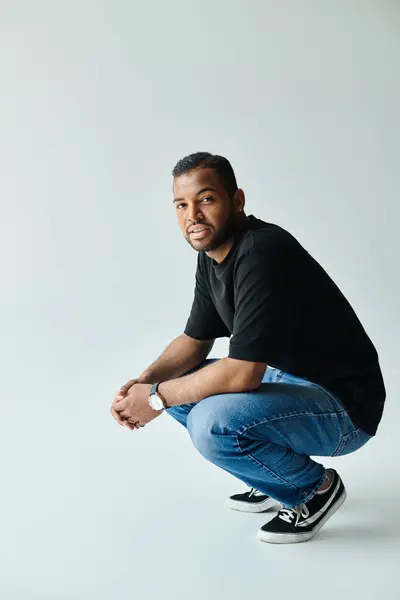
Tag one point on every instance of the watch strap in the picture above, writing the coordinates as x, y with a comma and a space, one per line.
154, 390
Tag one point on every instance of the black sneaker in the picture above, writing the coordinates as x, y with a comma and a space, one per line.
303, 522
252, 501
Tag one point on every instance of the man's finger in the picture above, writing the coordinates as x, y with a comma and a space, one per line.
124, 414
116, 416
127, 386
119, 405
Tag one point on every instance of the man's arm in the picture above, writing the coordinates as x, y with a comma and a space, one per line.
180, 356
225, 376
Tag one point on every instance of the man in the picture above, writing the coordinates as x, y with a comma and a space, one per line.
302, 377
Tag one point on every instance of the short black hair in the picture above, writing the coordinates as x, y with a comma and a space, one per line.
206, 160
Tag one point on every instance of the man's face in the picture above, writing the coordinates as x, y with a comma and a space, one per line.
200, 200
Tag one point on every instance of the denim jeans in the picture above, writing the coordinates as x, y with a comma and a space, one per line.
265, 437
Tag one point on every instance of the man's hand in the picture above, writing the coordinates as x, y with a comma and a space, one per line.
132, 408
122, 392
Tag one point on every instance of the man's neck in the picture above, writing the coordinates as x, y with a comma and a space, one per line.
222, 251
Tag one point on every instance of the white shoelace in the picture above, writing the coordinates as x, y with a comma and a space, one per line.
254, 492
289, 514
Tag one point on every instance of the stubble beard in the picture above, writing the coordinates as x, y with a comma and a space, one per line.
219, 238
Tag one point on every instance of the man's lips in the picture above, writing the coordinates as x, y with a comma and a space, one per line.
199, 233
197, 228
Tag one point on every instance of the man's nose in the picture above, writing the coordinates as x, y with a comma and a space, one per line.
194, 213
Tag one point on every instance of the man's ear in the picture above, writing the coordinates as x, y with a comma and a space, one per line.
239, 200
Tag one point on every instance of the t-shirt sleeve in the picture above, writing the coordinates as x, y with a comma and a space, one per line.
261, 327
204, 322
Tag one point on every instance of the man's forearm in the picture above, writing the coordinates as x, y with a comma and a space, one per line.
224, 376
180, 356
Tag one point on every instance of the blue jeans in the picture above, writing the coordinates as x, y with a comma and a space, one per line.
265, 437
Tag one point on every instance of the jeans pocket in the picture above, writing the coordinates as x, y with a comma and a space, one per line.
351, 442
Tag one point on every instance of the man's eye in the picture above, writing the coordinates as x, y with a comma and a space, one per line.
208, 198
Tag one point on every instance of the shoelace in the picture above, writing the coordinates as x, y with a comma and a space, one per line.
289, 514
254, 492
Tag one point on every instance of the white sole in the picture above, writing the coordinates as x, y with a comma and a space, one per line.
251, 508
295, 538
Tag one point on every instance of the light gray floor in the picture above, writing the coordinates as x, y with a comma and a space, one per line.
93, 511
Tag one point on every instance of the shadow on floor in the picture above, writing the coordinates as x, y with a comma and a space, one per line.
366, 518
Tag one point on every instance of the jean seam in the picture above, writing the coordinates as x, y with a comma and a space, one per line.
265, 468
308, 497
346, 438
305, 497
289, 416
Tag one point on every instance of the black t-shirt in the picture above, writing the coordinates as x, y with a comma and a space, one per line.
279, 306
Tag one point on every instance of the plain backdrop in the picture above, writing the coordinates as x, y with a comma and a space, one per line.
98, 101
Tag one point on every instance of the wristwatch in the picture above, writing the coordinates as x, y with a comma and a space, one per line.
156, 401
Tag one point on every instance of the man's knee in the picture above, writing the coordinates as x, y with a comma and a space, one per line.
207, 425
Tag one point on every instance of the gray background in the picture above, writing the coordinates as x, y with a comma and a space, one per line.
98, 101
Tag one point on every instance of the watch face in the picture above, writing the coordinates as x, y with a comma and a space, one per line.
156, 402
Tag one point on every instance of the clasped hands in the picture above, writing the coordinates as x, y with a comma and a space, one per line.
131, 407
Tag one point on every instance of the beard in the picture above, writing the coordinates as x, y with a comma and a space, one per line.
218, 238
